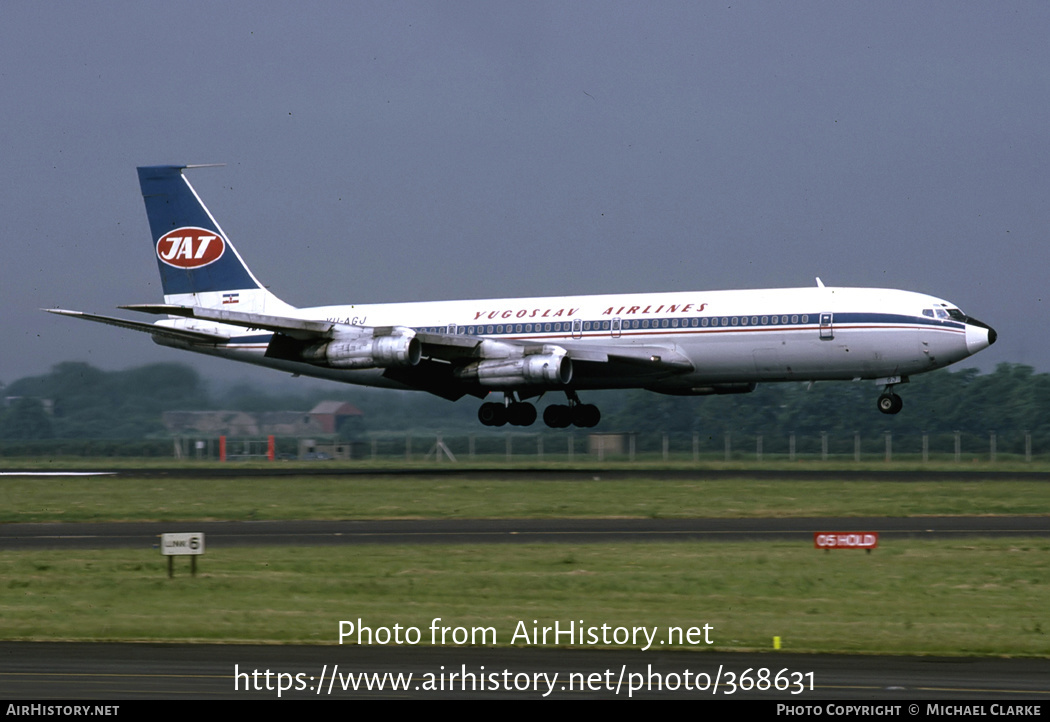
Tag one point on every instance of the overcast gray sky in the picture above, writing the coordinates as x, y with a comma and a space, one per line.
386, 151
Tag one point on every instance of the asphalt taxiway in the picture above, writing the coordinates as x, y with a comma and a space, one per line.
112, 535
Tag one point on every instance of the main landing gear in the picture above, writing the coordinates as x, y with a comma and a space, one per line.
557, 416
515, 413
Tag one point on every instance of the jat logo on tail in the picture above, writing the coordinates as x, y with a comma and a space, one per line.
190, 247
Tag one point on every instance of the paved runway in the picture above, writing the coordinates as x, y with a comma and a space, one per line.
88, 671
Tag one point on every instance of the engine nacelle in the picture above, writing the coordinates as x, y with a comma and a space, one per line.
366, 351
547, 369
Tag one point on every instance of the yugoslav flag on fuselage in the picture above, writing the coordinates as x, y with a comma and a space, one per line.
198, 265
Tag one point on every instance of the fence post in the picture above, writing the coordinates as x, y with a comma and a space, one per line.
823, 446
758, 448
889, 445
958, 447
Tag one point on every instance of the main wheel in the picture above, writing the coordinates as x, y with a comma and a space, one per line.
491, 414
521, 414
586, 415
557, 416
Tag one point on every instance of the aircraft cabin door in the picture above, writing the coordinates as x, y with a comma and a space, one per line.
577, 328
827, 332
615, 328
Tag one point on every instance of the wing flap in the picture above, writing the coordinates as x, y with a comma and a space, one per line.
652, 357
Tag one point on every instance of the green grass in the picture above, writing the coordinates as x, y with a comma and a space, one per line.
28, 499
981, 597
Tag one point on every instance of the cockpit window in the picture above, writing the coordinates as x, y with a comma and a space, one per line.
957, 314
941, 313
927, 312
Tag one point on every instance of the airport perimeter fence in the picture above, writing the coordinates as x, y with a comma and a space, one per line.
517, 446
576, 446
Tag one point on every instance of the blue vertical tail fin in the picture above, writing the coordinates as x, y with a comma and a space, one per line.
198, 264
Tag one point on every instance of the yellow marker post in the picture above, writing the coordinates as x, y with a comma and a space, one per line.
776, 642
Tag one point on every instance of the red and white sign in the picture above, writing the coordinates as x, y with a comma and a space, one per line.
845, 539
190, 247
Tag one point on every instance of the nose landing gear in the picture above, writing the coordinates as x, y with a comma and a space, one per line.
890, 403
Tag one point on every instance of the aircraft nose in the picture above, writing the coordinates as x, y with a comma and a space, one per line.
978, 335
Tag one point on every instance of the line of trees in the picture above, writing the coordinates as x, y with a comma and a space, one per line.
77, 401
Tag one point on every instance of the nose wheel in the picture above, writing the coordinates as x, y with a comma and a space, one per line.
890, 403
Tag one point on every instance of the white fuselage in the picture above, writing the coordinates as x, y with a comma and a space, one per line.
739, 336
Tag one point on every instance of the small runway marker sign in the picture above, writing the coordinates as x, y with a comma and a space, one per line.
846, 539
182, 544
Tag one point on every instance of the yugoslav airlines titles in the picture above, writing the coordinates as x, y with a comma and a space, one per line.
691, 343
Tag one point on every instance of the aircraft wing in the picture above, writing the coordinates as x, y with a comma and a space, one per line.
451, 347
445, 364
441, 346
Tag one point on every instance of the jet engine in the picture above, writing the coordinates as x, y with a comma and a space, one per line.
541, 369
365, 351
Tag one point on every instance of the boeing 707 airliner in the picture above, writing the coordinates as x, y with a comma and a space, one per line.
689, 343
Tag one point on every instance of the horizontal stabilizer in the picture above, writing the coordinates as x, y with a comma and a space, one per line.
177, 334
295, 327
